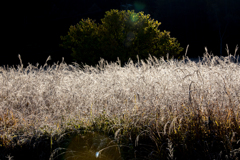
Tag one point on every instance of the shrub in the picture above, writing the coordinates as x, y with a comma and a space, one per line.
122, 34
82, 40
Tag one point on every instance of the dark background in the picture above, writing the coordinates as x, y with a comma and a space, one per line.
34, 28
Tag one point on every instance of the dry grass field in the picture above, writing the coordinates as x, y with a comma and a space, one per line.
161, 110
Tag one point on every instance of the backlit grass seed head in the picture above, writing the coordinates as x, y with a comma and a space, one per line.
178, 96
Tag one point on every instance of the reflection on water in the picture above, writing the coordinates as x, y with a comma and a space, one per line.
92, 146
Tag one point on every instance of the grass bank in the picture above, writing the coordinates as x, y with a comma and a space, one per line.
161, 110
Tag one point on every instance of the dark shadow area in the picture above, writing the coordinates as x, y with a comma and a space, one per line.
35, 27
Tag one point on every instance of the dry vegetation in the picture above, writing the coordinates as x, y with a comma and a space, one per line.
161, 110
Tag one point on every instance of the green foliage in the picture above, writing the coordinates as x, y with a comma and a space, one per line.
122, 34
82, 40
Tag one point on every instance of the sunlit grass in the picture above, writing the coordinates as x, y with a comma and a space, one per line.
161, 110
